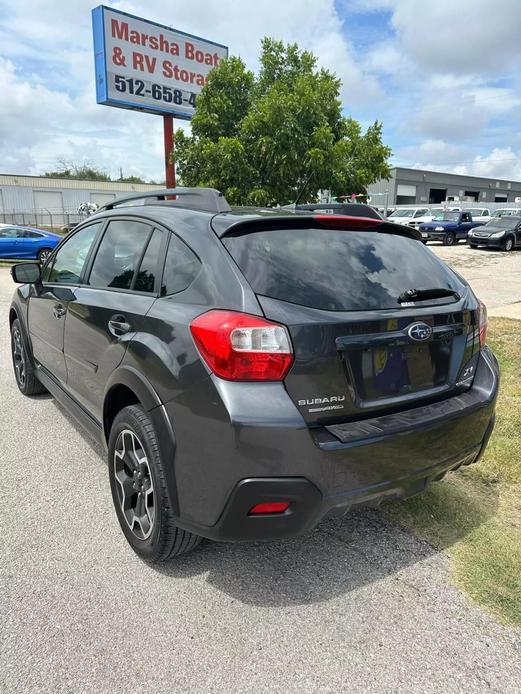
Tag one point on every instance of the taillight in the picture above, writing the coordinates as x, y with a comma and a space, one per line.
240, 347
483, 323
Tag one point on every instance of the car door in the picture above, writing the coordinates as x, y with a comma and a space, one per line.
110, 306
49, 301
29, 243
465, 225
9, 242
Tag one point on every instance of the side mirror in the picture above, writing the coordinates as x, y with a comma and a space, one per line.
26, 273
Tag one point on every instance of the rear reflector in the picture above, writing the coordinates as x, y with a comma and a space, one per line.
344, 221
269, 507
241, 347
483, 324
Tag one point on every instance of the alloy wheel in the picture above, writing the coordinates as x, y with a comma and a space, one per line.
135, 488
43, 256
18, 356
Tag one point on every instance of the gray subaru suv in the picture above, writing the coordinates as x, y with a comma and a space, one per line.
253, 371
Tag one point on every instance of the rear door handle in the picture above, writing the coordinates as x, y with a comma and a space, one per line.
118, 326
58, 311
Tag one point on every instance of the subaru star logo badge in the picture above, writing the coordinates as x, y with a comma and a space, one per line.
419, 332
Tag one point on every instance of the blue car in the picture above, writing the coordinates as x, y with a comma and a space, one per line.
25, 242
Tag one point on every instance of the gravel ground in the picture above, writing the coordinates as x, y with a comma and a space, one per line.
357, 605
494, 276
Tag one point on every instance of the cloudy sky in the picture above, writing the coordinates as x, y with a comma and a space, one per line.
443, 76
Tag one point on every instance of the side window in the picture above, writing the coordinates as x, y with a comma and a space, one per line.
8, 233
31, 235
465, 217
421, 213
119, 254
147, 273
181, 267
67, 265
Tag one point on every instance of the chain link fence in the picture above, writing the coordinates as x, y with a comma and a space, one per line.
55, 220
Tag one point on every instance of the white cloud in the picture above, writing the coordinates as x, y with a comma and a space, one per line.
467, 36
449, 115
439, 155
432, 154
499, 163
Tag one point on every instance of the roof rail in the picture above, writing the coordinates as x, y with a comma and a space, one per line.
204, 199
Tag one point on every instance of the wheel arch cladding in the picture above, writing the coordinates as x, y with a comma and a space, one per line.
126, 387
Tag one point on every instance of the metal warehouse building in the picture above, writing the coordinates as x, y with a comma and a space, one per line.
42, 201
411, 186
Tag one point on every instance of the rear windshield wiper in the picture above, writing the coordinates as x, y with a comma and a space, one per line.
426, 294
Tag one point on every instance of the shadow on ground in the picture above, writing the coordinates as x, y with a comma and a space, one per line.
339, 556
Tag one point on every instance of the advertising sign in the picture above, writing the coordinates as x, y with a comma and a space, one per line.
147, 66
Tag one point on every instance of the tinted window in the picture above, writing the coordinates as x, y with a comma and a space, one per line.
146, 276
9, 233
181, 267
66, 266
337, 270
31, 235
119, 254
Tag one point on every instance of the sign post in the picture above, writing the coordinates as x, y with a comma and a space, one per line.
150, 67
168, 133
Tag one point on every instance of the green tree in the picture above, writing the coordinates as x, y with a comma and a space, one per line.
262, 138
131, 179
84, 171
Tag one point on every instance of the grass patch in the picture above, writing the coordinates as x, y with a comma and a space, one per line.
475, 513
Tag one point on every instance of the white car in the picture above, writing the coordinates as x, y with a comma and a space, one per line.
506, 212
480, 214
410, 216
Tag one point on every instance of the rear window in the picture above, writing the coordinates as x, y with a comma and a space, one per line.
337, 270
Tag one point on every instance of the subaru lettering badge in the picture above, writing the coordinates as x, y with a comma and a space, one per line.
419, 332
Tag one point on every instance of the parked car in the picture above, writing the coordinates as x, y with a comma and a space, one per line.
253, 372
410, 216
506, 212
26, 242
448, 227
501, 232
480, 214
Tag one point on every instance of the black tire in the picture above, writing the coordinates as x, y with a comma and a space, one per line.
24, 374
450, 239
473, 245
43, 255
508, 244
137, 482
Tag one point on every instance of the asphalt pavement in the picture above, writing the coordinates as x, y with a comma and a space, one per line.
358, 605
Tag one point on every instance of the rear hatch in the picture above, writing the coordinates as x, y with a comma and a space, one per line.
364, 342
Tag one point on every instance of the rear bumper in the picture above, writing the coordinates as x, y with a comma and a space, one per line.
330, 470
440, 235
